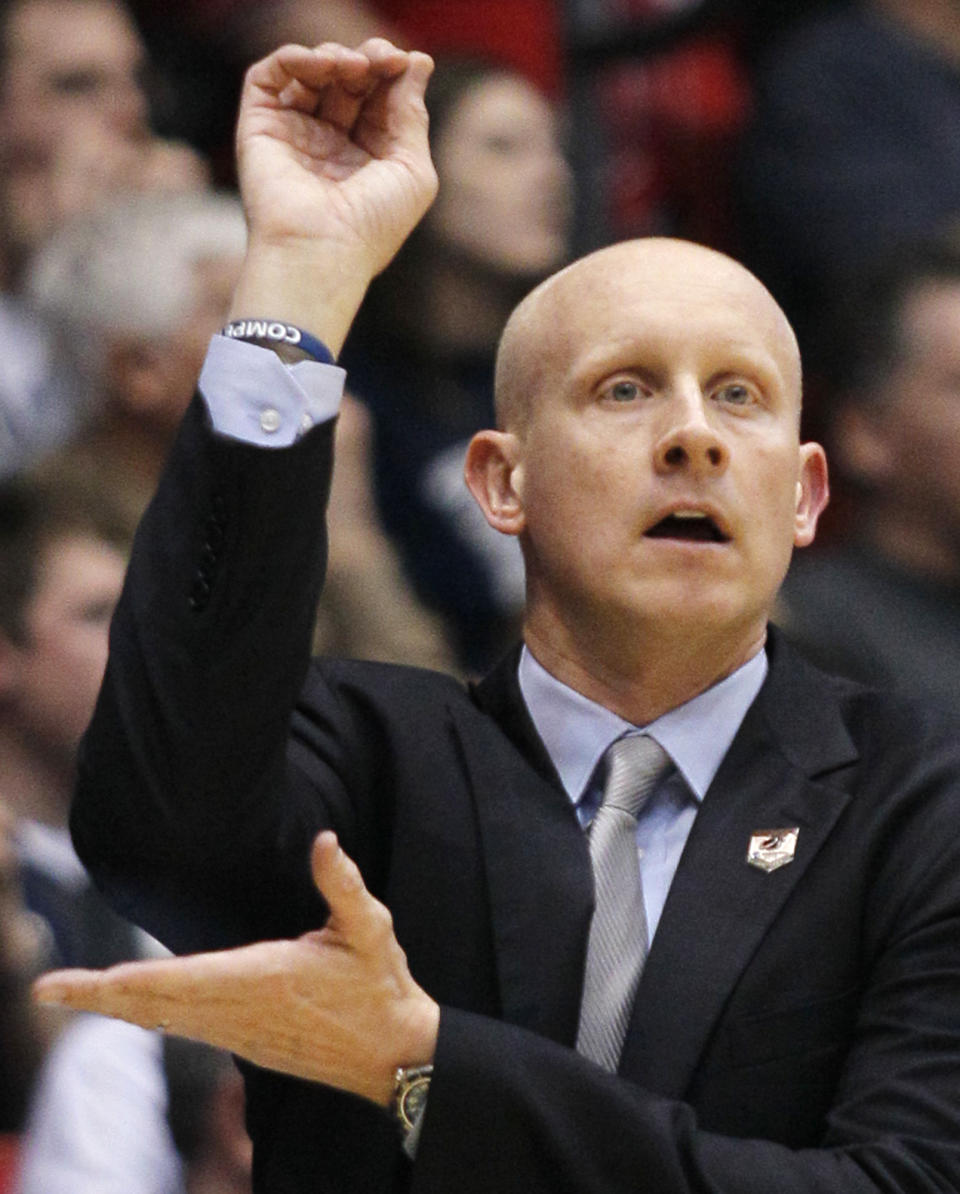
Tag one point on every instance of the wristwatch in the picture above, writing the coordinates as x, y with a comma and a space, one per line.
411, 1084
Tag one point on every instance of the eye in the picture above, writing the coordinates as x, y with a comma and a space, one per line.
78, 82
734, 393
623, 390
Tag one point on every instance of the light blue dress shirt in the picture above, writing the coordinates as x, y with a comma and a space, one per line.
696, 735
255, 397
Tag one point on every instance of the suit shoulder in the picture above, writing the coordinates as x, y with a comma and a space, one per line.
389, 687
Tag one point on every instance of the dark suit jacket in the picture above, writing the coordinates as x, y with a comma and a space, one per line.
793, 1031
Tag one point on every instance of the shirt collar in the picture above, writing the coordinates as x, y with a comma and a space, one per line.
696, 735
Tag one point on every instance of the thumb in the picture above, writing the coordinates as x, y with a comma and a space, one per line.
354, 913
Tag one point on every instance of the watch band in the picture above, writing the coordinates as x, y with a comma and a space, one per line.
411, 1084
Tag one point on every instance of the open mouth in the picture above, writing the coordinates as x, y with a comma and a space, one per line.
691, 525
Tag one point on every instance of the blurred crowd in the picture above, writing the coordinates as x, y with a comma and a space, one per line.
817, 140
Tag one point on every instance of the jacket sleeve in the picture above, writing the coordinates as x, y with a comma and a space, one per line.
184, 771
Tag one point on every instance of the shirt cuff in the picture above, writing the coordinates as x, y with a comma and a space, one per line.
251, 395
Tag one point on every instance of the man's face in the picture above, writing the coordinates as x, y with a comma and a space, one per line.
159, 374
71, 106
506, 190
60, 665
660, 473
68, 63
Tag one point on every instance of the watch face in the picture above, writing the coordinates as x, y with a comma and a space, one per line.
413, 1098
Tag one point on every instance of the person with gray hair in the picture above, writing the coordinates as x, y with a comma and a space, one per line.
133, 293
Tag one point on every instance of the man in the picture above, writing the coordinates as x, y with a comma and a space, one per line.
796, 1025
74, 120
62, 556
62, 559
884, 606
134, 291
73, 132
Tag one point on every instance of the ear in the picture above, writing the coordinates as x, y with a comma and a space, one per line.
813, 493
494, 475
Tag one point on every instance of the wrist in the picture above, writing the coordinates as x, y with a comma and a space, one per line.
414, 1045
315, 289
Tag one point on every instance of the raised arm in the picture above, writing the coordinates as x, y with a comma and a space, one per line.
335, 172
186, 756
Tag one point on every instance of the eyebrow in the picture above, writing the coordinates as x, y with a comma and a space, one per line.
639, 353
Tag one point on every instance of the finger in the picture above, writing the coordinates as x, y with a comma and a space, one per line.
386, 59
341, 103
138, 992
300, 68
354, 913
358, 74
396, 116
294, 67
293, 76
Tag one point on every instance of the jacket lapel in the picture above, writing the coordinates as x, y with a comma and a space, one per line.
720, 908
536, 859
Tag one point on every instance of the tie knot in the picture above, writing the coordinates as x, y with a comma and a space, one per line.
634, 764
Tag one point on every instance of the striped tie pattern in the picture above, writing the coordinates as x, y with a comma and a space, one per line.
617, 946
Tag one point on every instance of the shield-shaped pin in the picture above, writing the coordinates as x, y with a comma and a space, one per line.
770, 849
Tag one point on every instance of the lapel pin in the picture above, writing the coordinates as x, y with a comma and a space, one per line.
770, 849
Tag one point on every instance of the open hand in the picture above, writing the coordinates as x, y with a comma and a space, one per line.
337, 1005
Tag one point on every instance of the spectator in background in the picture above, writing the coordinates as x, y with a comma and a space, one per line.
201, 48
74, 117
97, 1122
133, 292
500, 223
855, 144
73, 130
121, 1109
884, 606
61, 567
24, 952
205, 1110
367, 609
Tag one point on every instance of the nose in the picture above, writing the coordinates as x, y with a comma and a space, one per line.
691, 442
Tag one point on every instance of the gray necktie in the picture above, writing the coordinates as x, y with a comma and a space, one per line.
617, 947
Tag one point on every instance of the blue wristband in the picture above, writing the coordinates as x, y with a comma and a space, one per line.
275, 332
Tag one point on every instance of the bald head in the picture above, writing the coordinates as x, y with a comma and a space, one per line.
628, 289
